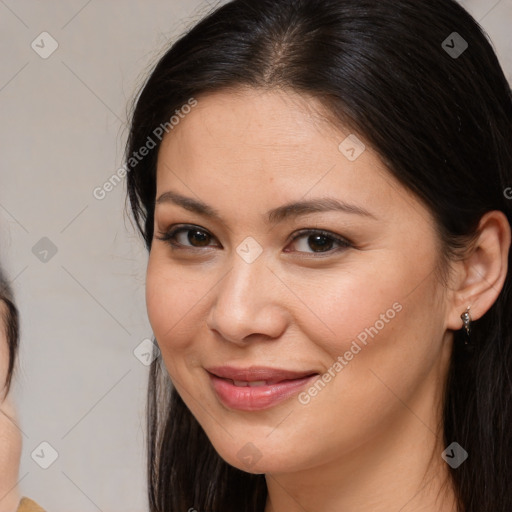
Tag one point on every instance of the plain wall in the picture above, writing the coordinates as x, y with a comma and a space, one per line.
80, 387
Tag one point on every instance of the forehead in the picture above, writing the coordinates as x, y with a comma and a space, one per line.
247, 116
250, 129
270, 147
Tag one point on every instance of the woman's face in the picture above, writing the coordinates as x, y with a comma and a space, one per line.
346, 299
10, 435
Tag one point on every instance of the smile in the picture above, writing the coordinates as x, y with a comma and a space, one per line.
251, 394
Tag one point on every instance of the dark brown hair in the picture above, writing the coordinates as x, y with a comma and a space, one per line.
10, 324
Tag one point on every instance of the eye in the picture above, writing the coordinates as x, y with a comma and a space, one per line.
180, 235
319, 241
193, 237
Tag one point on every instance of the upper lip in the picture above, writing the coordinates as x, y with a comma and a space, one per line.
258, 373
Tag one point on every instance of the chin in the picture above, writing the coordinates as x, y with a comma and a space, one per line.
260, 456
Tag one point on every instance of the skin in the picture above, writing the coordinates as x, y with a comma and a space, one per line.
371, 439
10, 435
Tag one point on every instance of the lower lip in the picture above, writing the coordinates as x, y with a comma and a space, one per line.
256, 398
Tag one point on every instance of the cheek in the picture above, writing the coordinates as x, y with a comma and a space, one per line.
174, 304
377, 318
339, 307
166, 301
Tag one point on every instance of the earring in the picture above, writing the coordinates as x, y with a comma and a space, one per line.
466, 319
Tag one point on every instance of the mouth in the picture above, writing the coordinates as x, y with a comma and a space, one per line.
258, 374
254, 383
256, 388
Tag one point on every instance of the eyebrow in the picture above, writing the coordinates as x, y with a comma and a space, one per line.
274, 216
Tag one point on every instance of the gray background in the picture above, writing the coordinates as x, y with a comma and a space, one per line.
79, 386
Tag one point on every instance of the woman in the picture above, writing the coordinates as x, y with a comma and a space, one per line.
322, 186
10, 436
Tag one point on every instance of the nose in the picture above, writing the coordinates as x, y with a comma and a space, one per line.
249, 303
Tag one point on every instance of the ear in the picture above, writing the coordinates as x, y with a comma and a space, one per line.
480, 276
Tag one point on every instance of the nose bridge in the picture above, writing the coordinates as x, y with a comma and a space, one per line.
242, 288
245, 301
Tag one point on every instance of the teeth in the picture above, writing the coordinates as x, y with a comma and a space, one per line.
243, 383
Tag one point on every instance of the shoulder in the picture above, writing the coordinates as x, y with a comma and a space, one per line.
27, 505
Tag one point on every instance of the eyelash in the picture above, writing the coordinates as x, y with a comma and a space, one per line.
168, 237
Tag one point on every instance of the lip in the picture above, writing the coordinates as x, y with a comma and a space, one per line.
255, 373
281, 384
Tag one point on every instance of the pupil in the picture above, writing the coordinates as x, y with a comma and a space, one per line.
200, 237
315, 239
